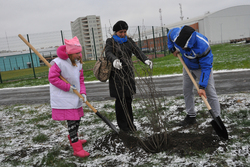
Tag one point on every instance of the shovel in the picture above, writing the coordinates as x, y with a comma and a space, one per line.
75, 91
217, 123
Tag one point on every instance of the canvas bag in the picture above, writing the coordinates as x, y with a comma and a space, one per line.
102, 68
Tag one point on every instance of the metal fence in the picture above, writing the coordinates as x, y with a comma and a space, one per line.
151, 40
55, 38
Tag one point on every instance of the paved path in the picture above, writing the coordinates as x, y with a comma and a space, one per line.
225, 82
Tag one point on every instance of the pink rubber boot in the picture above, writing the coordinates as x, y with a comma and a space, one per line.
78, 150
82, 141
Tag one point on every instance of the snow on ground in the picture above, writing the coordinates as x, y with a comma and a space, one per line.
20, 124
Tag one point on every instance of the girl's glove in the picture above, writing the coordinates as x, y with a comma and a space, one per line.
72, 87
117, 64
85, 98
149, 63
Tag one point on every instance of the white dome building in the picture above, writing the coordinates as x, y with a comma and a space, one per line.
222, 26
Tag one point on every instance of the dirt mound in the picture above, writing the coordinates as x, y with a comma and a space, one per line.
177, 142
188, 144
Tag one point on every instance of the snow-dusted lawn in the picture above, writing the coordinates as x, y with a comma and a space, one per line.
29, 137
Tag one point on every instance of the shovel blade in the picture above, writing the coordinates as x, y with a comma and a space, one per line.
112, 126
219, 128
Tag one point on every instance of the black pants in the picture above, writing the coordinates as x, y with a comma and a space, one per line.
73, 129
124, 115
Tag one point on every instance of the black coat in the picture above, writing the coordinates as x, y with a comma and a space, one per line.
122, 82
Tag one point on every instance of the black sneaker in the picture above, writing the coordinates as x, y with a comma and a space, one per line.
187, 121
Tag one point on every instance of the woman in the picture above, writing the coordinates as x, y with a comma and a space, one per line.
119, 50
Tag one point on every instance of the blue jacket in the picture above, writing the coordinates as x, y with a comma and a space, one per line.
195, 50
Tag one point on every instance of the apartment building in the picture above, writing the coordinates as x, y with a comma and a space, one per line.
89, 32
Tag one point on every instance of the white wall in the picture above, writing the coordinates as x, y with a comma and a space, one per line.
222, 26
227, 24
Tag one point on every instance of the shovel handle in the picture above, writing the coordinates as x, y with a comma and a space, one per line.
193, 80
34, 50
49, 65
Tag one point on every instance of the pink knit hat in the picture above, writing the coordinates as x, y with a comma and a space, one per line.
73, 45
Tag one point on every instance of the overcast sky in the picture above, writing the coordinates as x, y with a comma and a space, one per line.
38, 16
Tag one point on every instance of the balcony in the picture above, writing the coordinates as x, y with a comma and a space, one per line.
88, 44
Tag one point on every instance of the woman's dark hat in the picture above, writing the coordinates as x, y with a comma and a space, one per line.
120, 25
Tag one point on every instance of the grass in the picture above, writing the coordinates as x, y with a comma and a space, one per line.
111, 116
109, 106
39, 118
61, 154
226, 57
51, 159
40, 138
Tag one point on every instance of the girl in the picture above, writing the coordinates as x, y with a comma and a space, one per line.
65, 104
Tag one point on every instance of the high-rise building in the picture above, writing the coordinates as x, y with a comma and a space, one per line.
89, 32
